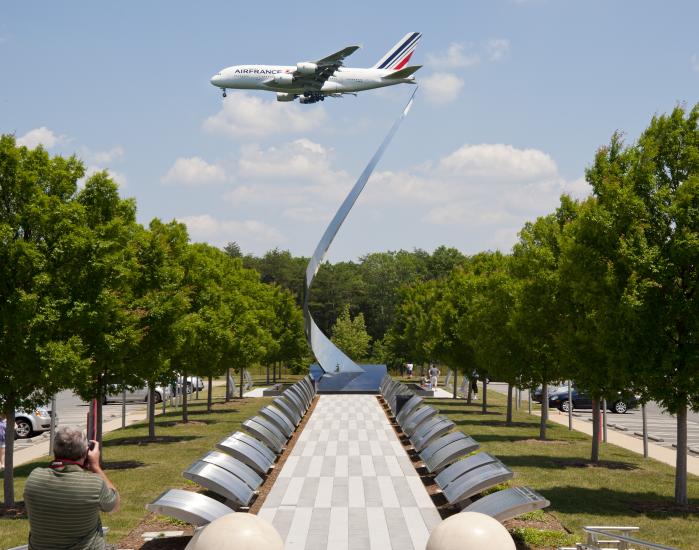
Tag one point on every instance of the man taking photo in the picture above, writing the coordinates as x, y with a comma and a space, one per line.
64, 500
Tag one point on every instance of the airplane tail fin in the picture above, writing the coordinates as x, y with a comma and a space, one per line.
399, 55
402, 73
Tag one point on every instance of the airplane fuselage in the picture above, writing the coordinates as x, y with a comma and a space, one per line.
278, 78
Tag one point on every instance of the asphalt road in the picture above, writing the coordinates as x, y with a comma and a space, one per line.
662, 426
72, 411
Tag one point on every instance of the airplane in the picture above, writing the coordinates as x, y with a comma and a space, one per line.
311, 82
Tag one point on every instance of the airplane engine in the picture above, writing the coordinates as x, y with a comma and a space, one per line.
283, 79
306, 68
282, 96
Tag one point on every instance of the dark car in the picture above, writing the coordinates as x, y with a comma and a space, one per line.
619, 403
554, 387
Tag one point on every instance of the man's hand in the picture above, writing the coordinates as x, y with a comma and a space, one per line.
92, 462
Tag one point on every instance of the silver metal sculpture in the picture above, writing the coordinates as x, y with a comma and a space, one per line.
188, 507
509, 503
330, 358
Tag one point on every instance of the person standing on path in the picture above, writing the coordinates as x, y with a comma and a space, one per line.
64, 500
409, 370
434, 376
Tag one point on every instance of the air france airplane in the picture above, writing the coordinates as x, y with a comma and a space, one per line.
314, 81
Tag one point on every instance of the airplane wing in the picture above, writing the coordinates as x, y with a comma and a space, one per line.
324, 69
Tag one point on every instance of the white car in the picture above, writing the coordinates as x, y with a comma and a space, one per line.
29, 423
137, 394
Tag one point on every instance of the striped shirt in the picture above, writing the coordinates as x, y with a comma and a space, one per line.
64, 506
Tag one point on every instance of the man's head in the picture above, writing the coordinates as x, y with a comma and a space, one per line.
70, 443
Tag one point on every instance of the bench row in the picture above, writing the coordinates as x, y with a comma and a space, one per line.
236, 469
460, 472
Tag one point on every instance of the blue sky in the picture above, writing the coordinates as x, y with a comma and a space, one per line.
514, 99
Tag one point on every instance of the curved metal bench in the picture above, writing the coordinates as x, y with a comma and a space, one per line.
408, 408
508, 503
279, 420
299, 394
220, 482
294, 401
446, 454
434, 428
236, 467
288, 410
256, 444
462, 467
262, 429
189, 507
478, 480
247, 454
413, 421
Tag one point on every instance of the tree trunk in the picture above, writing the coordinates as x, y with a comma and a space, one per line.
185, 411
208, 399
469, 394
454, 382
9, 474
508, 419
484, 405
228, 385
544, 410
594, 455
151, 410
274, 373
681, 464
267, 374
242, 381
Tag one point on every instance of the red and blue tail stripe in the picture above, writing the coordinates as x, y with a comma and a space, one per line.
398, 56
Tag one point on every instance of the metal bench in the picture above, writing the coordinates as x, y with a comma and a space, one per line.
434, 428
447, 449
413, 421
299, 394
247, 454
508, 503
189, 507
279, 420
462, 467
236, 467
263, 430
477, 481
408, 408
294, 402
288, 410
220, 482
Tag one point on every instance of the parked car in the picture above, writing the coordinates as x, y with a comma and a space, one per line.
194, 383
554, 387
137, 394
619, 403
29, 423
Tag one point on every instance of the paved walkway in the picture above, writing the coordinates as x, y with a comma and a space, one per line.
349, 484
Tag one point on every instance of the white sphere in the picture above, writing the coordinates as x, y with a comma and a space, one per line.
470, 531
239, 531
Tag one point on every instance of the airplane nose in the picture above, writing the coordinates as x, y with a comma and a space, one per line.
216, 79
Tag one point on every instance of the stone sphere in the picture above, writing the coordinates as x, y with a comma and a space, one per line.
470, 531
239, 531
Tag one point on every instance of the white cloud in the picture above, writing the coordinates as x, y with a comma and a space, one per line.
40, 136
497, 161
454, 57
194, 171
245, 115
694, 60
497, 48
118, 177
103, 157
248, 233
442, 88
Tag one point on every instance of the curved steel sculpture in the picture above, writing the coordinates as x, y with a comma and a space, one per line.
330, 358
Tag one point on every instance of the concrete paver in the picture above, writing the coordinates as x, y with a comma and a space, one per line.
345, 487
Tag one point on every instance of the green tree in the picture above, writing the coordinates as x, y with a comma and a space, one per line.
350, 335
41, 236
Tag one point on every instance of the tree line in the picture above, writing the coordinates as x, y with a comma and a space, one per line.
92, 301
602, 291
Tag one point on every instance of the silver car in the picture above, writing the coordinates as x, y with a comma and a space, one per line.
29, 423
137, 394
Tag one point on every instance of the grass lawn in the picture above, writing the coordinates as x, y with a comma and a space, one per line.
140, 469
625, 489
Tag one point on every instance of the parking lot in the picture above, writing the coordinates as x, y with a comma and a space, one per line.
662, 427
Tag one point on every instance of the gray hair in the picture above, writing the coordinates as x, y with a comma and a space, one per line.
70, 443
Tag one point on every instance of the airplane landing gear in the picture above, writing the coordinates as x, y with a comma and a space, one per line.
224, 92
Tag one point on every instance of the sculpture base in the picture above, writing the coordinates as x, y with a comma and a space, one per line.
367, 381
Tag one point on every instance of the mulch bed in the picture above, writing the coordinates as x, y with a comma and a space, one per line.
18, 511
153, 522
